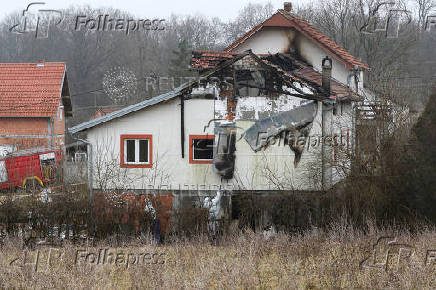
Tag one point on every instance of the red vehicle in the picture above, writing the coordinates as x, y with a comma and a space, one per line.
30, 168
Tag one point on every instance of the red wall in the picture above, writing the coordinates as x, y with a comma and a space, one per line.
32, 126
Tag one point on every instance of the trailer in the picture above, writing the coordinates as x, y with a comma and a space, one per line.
30, 169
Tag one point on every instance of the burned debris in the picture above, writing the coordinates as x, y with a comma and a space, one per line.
224, 150
288, 85
293, 124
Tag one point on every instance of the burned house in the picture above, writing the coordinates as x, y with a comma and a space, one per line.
269, 113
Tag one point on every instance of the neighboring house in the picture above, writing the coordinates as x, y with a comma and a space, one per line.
34, 104
240, 127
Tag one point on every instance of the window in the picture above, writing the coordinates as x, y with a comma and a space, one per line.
201, 149
136, 151
80, 157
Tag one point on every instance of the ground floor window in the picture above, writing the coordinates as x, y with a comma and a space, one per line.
136, 151
201, 149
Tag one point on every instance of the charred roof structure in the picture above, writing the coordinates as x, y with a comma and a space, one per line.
287, 70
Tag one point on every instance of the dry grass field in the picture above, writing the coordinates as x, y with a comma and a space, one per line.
339, 258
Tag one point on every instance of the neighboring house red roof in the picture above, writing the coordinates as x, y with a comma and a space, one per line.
31, 89
286, 19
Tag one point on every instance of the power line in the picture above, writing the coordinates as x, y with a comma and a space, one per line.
45, 101
88, 92
101, 89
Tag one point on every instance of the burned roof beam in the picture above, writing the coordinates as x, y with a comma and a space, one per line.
306, 95
214, 70
279, 72
261, 62
300, 95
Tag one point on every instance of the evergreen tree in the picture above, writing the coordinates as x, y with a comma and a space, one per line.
179, 65
418, 171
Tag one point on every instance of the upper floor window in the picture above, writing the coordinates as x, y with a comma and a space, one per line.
201, 149
136, 151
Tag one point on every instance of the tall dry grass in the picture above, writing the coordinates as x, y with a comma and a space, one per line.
316, 259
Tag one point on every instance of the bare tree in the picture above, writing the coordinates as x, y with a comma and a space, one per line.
248, 17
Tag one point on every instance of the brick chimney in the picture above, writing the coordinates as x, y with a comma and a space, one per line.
287, 6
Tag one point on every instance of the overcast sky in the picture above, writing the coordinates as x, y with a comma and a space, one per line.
224, 9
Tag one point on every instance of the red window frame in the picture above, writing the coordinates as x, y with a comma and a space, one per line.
150, 151
191, 149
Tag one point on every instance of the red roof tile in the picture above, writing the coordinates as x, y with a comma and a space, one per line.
30, 89
286, 19
204, 59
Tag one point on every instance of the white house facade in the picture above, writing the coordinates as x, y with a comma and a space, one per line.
274, 111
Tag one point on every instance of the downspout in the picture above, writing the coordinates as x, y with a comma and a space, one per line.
231, 100
323, 146
326, 79
90, 177
50, 132
356, 78
354, 75
182, 124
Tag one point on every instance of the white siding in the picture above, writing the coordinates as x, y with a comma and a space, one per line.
272, 168
269, 40
252, 170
